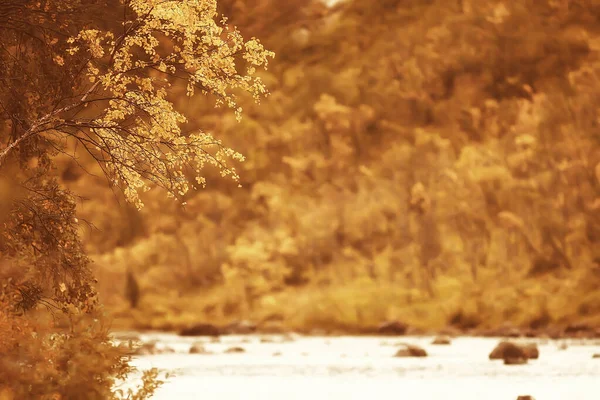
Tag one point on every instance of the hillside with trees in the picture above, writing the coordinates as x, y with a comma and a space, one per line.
432, 162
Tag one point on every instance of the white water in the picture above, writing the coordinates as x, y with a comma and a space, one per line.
364, 367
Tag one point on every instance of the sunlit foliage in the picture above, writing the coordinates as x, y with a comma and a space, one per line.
95, 83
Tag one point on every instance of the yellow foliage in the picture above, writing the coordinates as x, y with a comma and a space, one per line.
137, 131
411, 162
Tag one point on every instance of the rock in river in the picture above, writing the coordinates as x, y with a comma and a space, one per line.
410, 351
235, 350
441, 340
513, 351
201, 330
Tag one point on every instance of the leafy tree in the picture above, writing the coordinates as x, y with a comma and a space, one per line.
71, 80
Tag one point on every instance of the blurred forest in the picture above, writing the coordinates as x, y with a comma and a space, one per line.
436, 162
430, 161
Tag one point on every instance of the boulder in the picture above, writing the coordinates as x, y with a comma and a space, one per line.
198, 348
441, 340
236, 349
392, 328
509, 350
201, 329
506, 350
411, 351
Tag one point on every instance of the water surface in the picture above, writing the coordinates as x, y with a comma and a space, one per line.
311, 368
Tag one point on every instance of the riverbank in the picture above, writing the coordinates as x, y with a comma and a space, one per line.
365, 308
385, 329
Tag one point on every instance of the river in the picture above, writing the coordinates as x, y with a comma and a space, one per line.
314, 368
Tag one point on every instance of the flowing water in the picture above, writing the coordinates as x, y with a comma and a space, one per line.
314, 368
